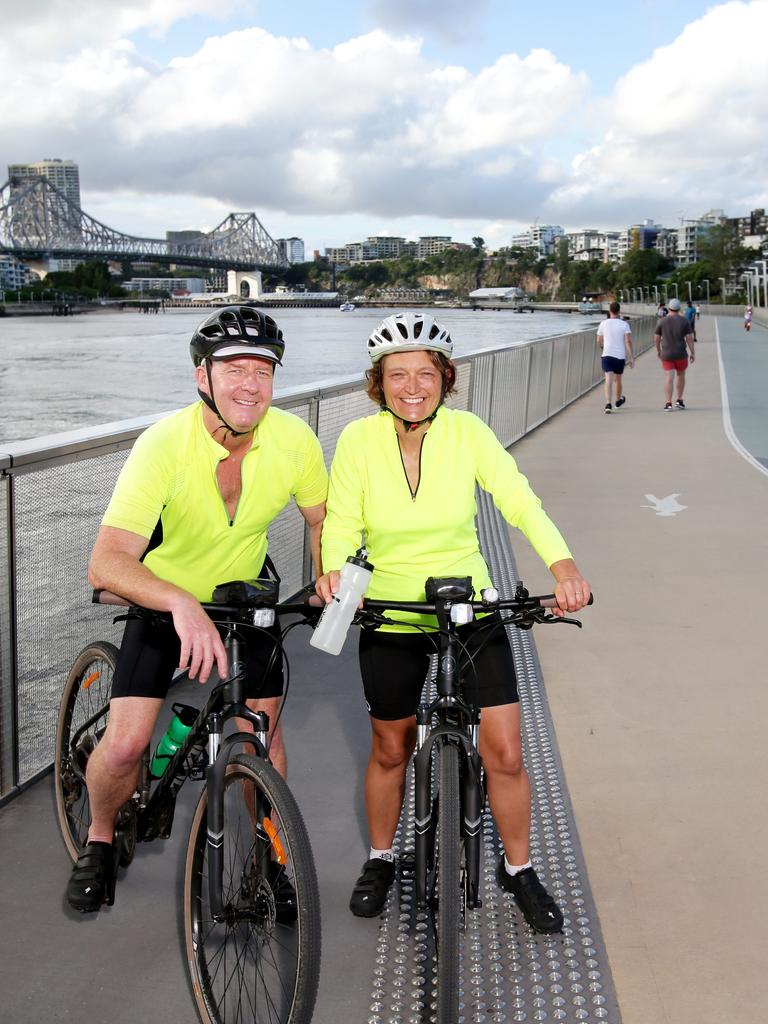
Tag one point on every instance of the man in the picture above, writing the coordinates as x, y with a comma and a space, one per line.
191, 510
672, 334
690, 316
615, 339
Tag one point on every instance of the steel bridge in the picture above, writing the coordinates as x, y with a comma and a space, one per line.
38, 221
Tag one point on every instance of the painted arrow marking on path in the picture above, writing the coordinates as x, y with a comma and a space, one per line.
668, 506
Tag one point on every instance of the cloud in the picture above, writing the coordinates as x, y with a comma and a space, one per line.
58, 26
256, 121
687, 128
447, 19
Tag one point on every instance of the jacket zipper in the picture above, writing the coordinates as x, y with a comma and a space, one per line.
402, 463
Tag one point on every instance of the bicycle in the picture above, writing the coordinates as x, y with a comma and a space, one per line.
251, 902
449, 783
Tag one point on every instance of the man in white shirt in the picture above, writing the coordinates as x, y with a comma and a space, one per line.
615, 339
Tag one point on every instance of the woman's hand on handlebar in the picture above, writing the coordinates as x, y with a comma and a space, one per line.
327, 585
201, 644
571, 590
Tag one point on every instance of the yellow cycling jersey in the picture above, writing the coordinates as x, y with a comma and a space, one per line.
168, 492
432, 533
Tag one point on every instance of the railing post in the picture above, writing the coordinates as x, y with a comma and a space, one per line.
313, 418
9, 731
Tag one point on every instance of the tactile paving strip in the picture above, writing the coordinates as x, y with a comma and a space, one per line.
508, 973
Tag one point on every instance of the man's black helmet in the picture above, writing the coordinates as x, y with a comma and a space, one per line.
237, 331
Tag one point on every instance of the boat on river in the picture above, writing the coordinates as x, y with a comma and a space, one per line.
346, 307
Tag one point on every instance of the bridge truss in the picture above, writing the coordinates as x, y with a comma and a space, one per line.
38, 221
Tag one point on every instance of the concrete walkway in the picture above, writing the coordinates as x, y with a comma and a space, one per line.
660, 704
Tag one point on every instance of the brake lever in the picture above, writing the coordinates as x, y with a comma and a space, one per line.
554, 619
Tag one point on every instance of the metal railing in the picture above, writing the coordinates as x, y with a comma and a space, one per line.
53, 492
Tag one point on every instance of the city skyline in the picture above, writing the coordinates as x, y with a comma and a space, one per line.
390, 118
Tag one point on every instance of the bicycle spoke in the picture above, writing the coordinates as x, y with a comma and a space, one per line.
252, 967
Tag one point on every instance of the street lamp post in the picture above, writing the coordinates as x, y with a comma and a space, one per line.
762, 279
722, 293
656, 294
706, 282
677, 293
690, 297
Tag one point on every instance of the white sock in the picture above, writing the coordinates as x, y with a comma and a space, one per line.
381, 854
514, 869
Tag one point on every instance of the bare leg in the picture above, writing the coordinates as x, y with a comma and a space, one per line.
392, 744
608, 381
617, 380
669, 376
680, 383
509, 791
112, 769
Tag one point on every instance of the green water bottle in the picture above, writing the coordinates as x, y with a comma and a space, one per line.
178, 729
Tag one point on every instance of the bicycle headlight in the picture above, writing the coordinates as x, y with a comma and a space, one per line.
461, 614
263, 617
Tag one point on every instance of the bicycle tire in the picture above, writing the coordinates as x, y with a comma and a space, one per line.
448, 887
87, 689
277, 962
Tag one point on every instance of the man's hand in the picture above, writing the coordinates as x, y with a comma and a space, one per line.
327, 585
201, 644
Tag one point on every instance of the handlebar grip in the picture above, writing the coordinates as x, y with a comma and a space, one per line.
550, 601
107, 597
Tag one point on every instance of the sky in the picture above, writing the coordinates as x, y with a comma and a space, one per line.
346, 119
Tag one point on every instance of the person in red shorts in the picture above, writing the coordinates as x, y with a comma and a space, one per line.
674, 340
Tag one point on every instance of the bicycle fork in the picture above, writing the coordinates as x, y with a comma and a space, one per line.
218, 751
472, 799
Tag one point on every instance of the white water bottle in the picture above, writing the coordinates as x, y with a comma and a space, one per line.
331, 630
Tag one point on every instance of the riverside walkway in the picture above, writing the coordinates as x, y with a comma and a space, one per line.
658, 707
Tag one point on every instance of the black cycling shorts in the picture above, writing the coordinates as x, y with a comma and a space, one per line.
149, 656
394, 667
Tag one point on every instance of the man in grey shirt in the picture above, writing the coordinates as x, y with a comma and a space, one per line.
673, 333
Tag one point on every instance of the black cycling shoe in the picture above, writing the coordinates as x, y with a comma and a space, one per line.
285, 895
371, 888
537, 906
92, 882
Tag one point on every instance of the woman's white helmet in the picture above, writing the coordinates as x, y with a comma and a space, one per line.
409, 332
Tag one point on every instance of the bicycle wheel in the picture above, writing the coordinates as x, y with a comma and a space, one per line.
448, 887
262, 962
84, 702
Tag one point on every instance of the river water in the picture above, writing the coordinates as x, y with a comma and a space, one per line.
61, 373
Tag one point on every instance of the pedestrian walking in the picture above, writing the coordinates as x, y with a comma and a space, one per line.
674, 340
748, 319
615, 339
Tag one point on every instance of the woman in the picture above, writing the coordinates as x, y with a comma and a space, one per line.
406, 477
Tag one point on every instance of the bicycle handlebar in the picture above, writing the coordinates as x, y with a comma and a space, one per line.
430, 608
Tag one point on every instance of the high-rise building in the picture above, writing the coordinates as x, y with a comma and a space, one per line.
63, 174
431, 245
291, 249
62, 226
542, 237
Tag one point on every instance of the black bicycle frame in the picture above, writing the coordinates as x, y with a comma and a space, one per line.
457, 723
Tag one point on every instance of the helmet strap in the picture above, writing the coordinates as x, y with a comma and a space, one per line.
413, 424
211, 403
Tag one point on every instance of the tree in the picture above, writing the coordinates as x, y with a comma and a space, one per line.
720, 247
640, 267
